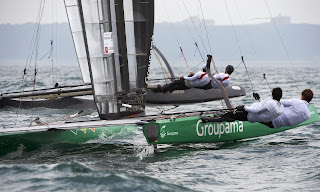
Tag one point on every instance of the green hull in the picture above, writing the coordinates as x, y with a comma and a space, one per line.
33, 140
192, 130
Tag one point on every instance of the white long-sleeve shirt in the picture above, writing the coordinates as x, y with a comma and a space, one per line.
224, 78
199, 79
295, 112
264, 111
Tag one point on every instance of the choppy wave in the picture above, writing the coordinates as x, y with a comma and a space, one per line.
287, 161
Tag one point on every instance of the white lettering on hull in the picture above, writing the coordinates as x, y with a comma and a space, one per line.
163, 133
218, 128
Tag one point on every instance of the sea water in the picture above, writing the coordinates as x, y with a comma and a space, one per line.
287, 161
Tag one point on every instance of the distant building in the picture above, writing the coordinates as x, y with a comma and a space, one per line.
282, 20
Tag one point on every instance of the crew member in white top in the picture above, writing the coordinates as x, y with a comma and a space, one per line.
197, 80
262, 111
295, 111
224, 78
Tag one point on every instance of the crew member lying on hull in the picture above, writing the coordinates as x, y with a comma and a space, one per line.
224, 78
295, 111
261, 111
199, 80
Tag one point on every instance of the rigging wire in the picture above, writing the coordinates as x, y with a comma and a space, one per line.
234, 31
274, 23
54, 24
201, 39
174, 33
251, 43
198, 51
205, 26
56, 47
194, 40
238, 43
212, 60
37, 44
31, 48
34, 45
165, 72
50, 51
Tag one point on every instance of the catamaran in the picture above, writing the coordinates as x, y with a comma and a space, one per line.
113, 39
191, 128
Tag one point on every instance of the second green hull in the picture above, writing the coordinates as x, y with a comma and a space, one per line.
33, 140
192, 130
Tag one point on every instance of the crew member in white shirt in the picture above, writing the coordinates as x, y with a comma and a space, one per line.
197, 80
295, 111
224, 78
262, 111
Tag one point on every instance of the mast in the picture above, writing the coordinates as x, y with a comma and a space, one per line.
113, 37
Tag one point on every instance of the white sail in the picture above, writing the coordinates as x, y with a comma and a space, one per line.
113, 40
77, 34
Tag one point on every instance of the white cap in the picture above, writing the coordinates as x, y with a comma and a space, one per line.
204, 66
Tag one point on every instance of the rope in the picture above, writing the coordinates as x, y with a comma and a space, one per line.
252, 46
50, 51
263, 79
237, 40
194, 26
234, 31
198, 51
248, 36
174, 32
247, 73
185, 21
198, 32
297, 77
51, 42
184, 58
34, 45
197, 65
54, 71
162, 67
205, 26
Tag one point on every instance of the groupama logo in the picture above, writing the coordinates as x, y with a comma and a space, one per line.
218, 128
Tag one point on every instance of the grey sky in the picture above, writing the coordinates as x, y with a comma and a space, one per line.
251, 11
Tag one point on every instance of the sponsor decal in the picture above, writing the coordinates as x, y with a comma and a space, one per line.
219, 129
75, 131
236, 87
164, 133
178, 92
108, 43
84, 130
